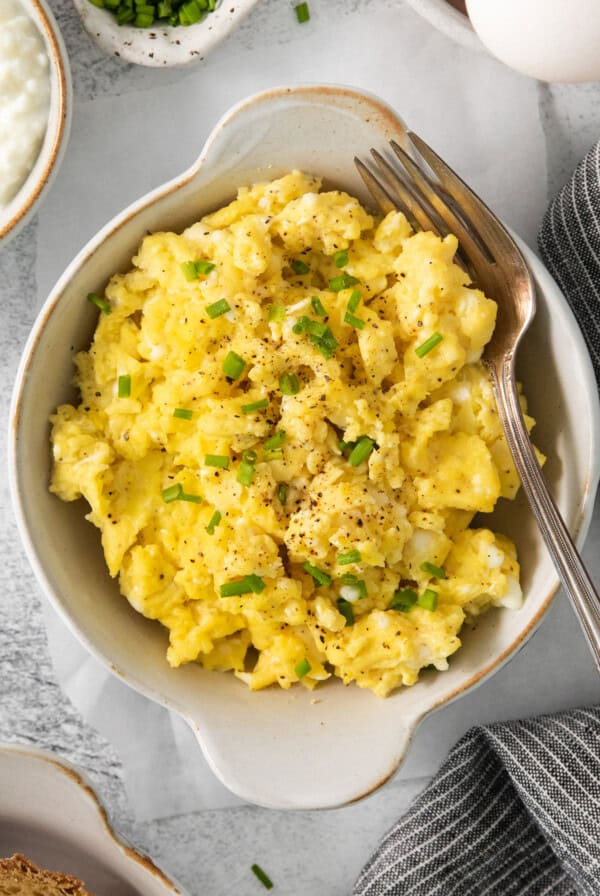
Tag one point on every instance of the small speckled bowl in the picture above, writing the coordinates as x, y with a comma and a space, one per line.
51, 814
296, 748
162, 46
26, 202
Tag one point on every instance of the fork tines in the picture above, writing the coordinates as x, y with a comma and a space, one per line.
428, 199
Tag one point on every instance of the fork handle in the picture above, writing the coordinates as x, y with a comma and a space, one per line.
565, 555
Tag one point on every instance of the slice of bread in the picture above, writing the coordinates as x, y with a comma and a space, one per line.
20, 877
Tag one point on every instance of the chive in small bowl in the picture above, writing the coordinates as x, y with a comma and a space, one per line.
161, 33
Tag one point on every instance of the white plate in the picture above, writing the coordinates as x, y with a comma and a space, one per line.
51, 814
283, 748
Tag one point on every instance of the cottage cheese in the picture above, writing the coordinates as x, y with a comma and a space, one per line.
24, 97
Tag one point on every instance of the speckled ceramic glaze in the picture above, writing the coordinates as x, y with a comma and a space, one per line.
280, 748
50, 814
162, 46
28, 198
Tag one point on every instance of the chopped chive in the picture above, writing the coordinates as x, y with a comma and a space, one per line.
245, 474
436, 571
256, 583
218, 308
354, 300
168, 12
275, 441
349, 557
317, 306
233, 366
282, 491
289, 384
251, 584
214, 522
246, 470
263, 878
301, 325
124, 386
355, 322
124, 15
100, 302
193, 499
352, 581
428, 600
342, 281
428, 345
345, 608
346, 447
233, 589
326, 344
319, 334
320, 577
172, 493
361, 451
176, 493
193, 269
316, 328
341, 258
302, 668
217, 460
277, 454
183, 414
277, 312
403, 600
255, 406
299, 267
189, 270
302, 13
362, 588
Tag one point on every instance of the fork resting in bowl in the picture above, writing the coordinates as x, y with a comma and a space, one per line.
438, 200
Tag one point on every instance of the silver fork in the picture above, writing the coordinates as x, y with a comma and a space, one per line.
438, 200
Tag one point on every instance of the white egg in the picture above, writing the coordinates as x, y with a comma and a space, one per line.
552, 41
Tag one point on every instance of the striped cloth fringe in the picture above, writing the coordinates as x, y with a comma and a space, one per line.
515, 809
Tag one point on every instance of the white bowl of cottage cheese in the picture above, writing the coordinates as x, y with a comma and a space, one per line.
35, 108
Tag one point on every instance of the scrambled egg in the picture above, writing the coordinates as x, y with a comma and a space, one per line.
284, 434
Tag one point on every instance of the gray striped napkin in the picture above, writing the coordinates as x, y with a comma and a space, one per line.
515, 809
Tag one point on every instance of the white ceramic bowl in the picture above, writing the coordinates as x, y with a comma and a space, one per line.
283, 748
162, 46
50, 813
16, 214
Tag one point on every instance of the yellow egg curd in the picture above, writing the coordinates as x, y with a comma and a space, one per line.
285, 431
